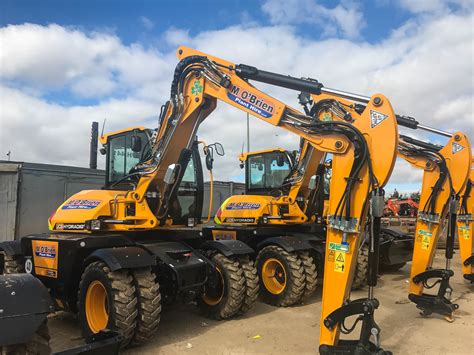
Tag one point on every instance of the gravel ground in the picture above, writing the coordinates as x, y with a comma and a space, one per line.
295, 330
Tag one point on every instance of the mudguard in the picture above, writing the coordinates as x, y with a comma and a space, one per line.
11, 247
24, 305
228, 247
287, 243
123, 257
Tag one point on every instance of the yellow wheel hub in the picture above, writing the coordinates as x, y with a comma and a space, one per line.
274, 276
96, 305
213, 295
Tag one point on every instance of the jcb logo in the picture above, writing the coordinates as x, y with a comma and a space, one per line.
456, 148
376, 118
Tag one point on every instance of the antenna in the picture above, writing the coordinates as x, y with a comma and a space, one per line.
103, 126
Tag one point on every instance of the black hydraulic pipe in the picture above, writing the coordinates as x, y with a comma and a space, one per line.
311, 86
407, 121
450, 236
377, 204
421, 144
373, 262
93, 145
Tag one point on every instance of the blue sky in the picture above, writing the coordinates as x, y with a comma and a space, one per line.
127, 18
66, 63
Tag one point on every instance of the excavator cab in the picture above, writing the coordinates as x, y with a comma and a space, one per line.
127, 148
266, 170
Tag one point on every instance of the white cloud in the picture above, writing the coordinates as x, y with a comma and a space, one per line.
147, 23
56, 57
436, 6
425, 68
345, 18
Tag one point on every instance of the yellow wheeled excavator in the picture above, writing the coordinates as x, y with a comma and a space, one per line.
269, 176
112, 252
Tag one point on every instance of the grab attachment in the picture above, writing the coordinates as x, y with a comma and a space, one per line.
439, 303
365, 309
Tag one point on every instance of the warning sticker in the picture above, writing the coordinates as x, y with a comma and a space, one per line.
464, 232
339, 247
331, 255
425, 233
425, 242
340, 261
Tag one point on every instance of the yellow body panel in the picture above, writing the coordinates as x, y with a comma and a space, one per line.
93, 204
249, 209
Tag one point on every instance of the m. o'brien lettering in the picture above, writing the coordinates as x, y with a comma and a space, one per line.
251, 101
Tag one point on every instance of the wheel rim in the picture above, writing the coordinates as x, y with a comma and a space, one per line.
274, 276
97, 306
213, 295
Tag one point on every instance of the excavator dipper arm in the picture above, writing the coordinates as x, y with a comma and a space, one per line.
446, 170
465, 225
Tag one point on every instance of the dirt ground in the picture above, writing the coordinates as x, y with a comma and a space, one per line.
295, 330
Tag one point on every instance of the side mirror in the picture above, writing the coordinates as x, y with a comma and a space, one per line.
136, 144
219, 149
280, 160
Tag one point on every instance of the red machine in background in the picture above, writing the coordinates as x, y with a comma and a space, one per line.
398, 208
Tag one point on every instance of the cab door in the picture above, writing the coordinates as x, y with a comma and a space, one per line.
186, 208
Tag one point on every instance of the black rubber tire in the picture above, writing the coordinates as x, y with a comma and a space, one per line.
121, 296
311, 275
12, 264
252, 285
38, 345
149, 304
393, 267
295, 283
234, 289
360, 274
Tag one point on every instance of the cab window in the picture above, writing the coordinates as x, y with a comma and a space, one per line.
267, 171
121, 157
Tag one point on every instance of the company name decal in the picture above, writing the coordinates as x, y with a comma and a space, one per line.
242, 206
251, 101
45, 251
81, 204
239, 220
69, 226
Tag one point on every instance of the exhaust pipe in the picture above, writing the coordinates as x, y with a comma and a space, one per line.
94, 145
